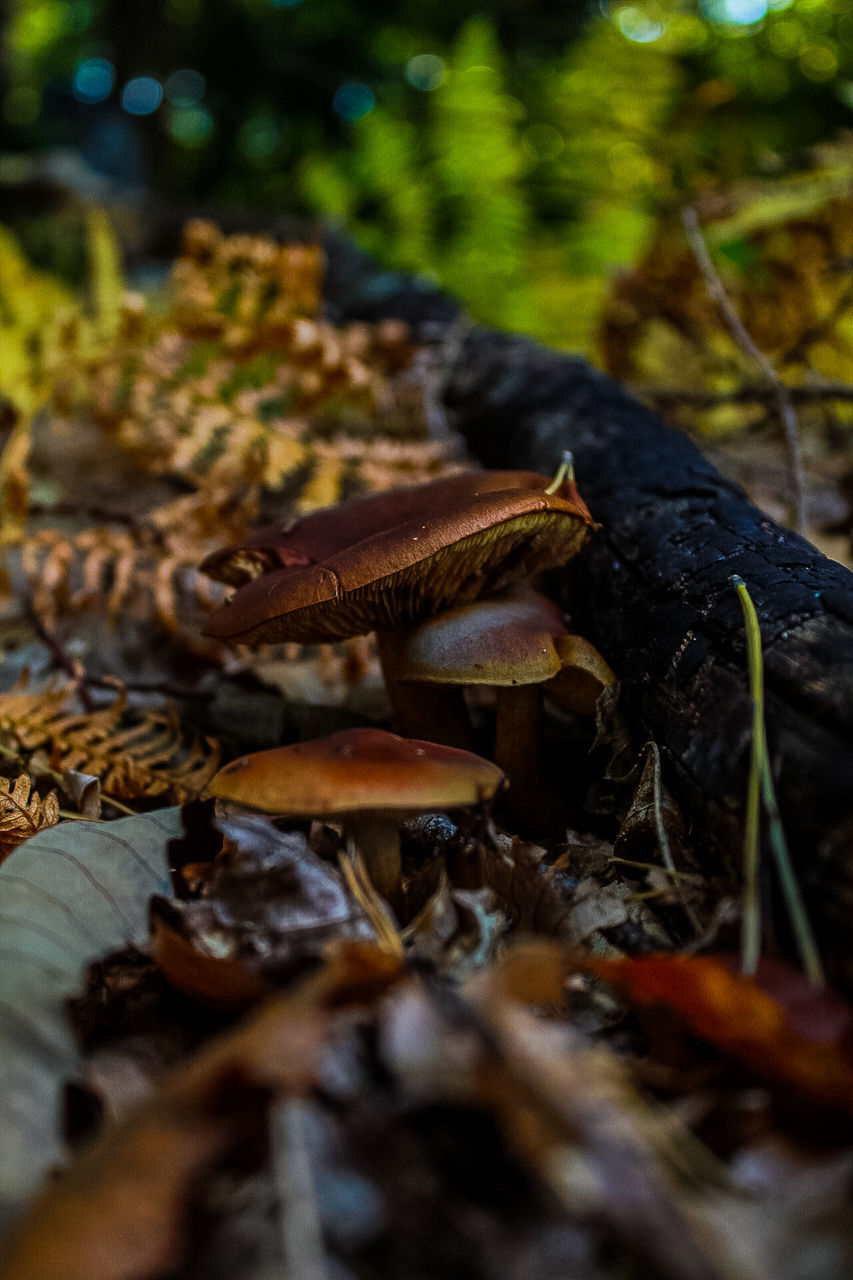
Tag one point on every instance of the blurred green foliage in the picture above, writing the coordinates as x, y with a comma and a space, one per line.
520, 157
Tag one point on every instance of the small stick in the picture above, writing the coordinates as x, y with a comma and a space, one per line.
747, 393
120, 805
781, 394
61, 657
663, 838
169, 688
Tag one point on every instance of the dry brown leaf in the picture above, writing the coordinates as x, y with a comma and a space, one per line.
268, 907
22, 812
785, 1031
119, 1212
146, 758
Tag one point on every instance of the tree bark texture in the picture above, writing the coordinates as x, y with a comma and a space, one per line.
653, 591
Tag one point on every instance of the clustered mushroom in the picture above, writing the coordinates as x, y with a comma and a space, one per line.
518, 644
392, 563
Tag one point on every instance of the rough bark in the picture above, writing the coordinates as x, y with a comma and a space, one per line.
653, 592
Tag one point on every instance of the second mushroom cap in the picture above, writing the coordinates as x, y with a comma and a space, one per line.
356, 771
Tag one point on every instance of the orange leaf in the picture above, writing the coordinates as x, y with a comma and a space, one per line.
796, 1036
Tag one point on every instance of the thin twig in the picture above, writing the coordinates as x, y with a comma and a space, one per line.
120, 805
61, 657
169, 688
663, 838
750, 937
748, 393
781, 394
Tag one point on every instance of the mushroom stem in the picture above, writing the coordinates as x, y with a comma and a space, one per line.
518, 751
378, 839
435, 712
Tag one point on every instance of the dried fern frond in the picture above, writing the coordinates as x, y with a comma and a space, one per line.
126, 576
147, 757
186, 424
23, 813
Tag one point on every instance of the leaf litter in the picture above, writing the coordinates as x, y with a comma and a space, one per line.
528, 1075
444, 1105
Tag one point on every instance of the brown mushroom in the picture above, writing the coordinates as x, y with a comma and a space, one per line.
315, 537
368, 779
583, 674
397, 556
518, 644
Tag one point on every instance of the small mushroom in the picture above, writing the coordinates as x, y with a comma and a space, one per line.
378, 562
367, 779
517, 643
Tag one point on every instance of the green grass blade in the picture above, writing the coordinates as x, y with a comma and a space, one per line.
761, 788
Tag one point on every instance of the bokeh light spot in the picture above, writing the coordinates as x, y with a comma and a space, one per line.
739, 13
425, 71
353, 100
636, 25
35, 28
185, 87
183, 13
190, 126
629, 166
142, 95
285, 4
542, 141
819, 62
93, 80
483, 76
786, 38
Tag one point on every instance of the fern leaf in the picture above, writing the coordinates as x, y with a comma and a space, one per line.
148, 758
23, 813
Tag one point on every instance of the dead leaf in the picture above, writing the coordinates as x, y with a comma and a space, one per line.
133, 755
653, 823
119, 1212
457, 930
68, 895
540, 898
797, 1037
22, 812
268, 906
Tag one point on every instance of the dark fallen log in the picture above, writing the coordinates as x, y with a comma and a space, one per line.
653, 591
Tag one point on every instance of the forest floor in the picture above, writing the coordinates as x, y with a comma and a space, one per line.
544, 1063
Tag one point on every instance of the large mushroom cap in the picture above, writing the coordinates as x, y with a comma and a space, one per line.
506, 640
313, 538
357, 771
406, 557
